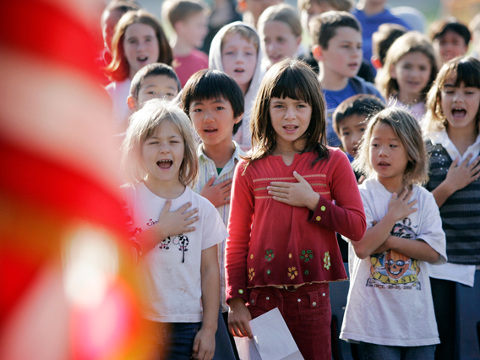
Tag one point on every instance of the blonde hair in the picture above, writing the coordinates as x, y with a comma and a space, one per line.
464, 70
410, 42
406, 128
245, 32
283, 13
142, 126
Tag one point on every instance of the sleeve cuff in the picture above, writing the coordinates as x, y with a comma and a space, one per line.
322, 213
237, 293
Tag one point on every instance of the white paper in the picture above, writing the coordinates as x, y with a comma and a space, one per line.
246, 348
272, 339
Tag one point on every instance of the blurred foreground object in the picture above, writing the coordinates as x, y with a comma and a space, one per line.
65, 271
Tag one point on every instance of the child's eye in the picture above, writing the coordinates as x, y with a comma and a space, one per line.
170, 95
345, 133
197, 110
393, 146
151, 92
362, 130
219, 108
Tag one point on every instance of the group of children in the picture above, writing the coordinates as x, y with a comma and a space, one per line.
272, 166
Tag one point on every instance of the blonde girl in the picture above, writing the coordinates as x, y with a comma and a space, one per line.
178, 266
138, 40
409, 70
280, 30
289, 197
453, 144
388, 275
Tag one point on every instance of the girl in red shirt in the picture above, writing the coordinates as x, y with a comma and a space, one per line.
290, 196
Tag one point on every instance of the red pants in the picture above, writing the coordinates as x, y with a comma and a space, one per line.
306, 311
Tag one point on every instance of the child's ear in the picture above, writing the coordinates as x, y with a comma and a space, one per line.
317, 52
393, 74
299, 40
238, 118
132, 104
377, 64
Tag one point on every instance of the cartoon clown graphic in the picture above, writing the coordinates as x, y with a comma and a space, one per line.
391, 269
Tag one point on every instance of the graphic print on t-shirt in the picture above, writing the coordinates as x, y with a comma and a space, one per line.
393, 270
180, 240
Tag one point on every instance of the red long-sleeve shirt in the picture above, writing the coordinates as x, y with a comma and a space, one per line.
272, 243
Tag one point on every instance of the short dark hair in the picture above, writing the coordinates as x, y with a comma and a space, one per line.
213, 84
384, 37
440, 27
325, 26
152, 70
361, 104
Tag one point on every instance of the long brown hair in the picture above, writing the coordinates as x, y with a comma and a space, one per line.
296, 80
119, 69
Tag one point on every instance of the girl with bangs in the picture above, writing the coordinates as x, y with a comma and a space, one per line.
453, 144
290, 196
410, 68
175, 232
389, 278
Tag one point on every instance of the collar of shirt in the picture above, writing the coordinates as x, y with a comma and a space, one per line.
229, 165
441, 137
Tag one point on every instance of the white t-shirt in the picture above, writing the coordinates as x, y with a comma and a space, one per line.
170, 272
390, 300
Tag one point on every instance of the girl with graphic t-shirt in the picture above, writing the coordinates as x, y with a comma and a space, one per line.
178, 268
389, 284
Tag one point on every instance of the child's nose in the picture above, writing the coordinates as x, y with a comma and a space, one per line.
208, 117
239, 57
290, 113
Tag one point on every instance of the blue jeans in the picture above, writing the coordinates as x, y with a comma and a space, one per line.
369, 351
172, 341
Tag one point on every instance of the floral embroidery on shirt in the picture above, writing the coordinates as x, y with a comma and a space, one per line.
326, 261
269, 254
292, 272
251, 273
306, 255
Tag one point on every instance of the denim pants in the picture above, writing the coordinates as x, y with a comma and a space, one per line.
369, 351
171, 341
307, 314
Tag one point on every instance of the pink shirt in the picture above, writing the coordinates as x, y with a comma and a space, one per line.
272, 243
186, 66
